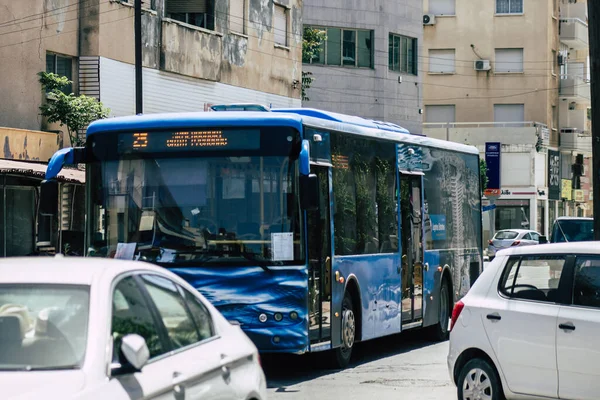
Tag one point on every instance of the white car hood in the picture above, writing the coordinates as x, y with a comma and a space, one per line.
40, 384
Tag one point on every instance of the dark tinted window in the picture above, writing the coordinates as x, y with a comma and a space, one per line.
586, 291
364, 178
131, 314
532, 277
573, 230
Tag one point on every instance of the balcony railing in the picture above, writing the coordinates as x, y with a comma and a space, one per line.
575, 87
574, 33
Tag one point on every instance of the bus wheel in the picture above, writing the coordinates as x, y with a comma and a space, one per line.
342, 354
439, 332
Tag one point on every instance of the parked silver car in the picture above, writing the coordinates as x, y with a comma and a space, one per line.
506, 238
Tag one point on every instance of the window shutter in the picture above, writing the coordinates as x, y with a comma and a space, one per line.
442, 7
236, 16
445, 113
509, 112
280, 25
186, 6
509, 60
442, 61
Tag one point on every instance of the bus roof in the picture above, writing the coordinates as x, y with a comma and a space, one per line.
290, 117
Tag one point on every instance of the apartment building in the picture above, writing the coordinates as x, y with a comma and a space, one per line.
369, 65
195, 53
510, 76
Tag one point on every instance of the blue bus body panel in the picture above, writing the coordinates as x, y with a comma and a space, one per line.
197, 120
243, 293
381, 291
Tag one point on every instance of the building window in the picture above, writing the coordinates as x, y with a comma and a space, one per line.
509, 6
440, 113
442, 61
509, 60
199, 13
280, 27
555, 118
442, 7
403, 54
237, 14
347, 47
509, 112
62, 66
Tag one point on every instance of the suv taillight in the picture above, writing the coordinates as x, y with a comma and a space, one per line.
458, 307
516, 243
490, 243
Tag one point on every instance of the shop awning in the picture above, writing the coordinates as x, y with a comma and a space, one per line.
38, 170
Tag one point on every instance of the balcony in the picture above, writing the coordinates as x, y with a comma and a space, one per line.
478, 133
575, 140
574, 33
575, 88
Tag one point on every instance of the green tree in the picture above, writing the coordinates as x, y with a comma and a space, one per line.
311, 43
74, 112
483, 174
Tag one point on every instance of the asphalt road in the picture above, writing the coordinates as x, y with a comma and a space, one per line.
402, 366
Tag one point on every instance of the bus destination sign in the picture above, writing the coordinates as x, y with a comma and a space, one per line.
213, 139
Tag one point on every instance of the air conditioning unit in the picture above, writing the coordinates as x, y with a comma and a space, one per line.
482, 65
428, 19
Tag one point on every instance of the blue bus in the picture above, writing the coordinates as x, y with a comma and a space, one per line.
310, 229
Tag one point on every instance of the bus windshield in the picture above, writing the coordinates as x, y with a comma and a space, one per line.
189, 210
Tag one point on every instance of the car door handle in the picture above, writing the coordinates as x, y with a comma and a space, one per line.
567, 327
494, 317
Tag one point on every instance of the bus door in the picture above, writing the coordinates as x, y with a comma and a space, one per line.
411, 211
319, 261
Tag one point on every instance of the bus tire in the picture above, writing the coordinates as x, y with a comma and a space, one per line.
440, 331
341, 355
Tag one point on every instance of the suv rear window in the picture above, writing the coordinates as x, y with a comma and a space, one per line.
573, 230
506, 235
532, 277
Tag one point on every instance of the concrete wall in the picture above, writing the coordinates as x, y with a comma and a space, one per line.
369, 93
478, 136
475, 33
27, 31
21, 144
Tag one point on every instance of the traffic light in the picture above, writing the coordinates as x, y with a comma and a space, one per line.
578, 171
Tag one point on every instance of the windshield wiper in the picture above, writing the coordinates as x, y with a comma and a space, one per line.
261, 263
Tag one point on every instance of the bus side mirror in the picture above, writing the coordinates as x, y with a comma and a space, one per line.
309, 192
49, 197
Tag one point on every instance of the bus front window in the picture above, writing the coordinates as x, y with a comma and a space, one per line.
197, 211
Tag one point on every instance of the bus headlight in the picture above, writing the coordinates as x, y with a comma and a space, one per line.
294, 315
278, 317
262, 317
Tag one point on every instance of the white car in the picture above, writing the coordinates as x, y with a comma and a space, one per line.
82, 328
529, 326
511, 238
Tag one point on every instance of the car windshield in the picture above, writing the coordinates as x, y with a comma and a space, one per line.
502, 235
197, 210
574, 230
43, 327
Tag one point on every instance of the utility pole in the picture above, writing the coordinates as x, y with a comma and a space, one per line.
138, 56
594, 37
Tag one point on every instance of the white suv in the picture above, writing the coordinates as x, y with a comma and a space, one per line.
529, 326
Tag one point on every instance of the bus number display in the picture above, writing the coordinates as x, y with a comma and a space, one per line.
214, 139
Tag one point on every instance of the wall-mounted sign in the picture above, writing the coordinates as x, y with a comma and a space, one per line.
578, 195
492, 159
554, 175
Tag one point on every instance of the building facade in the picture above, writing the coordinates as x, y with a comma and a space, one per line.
369, 65
512, 74
195, 53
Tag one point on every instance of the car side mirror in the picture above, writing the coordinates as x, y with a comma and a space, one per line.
49, 197
309, 192
543, 239
133, 355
